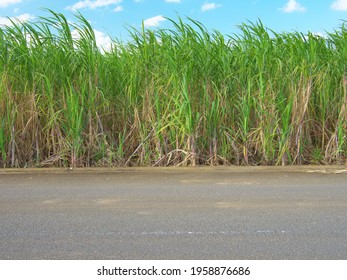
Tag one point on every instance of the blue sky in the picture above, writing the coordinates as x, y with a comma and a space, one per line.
112, 16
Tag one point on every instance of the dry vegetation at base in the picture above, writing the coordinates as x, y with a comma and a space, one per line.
183, 96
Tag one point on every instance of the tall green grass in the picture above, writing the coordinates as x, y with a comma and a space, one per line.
179, 96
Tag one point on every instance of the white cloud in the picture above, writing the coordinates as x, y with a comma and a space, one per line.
103, 41
173, 1
75, 35
4, 21
339, 5
321, 34
118, 9
209, 6
5, 3
92, 4
153, 21
292, 6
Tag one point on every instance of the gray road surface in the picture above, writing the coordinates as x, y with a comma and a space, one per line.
201, 213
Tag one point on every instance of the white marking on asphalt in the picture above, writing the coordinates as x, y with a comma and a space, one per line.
50, 201
237, 183
223, 232
327, 171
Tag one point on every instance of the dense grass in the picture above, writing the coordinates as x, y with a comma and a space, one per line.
182, 96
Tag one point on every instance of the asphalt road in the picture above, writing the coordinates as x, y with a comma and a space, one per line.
201, 213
